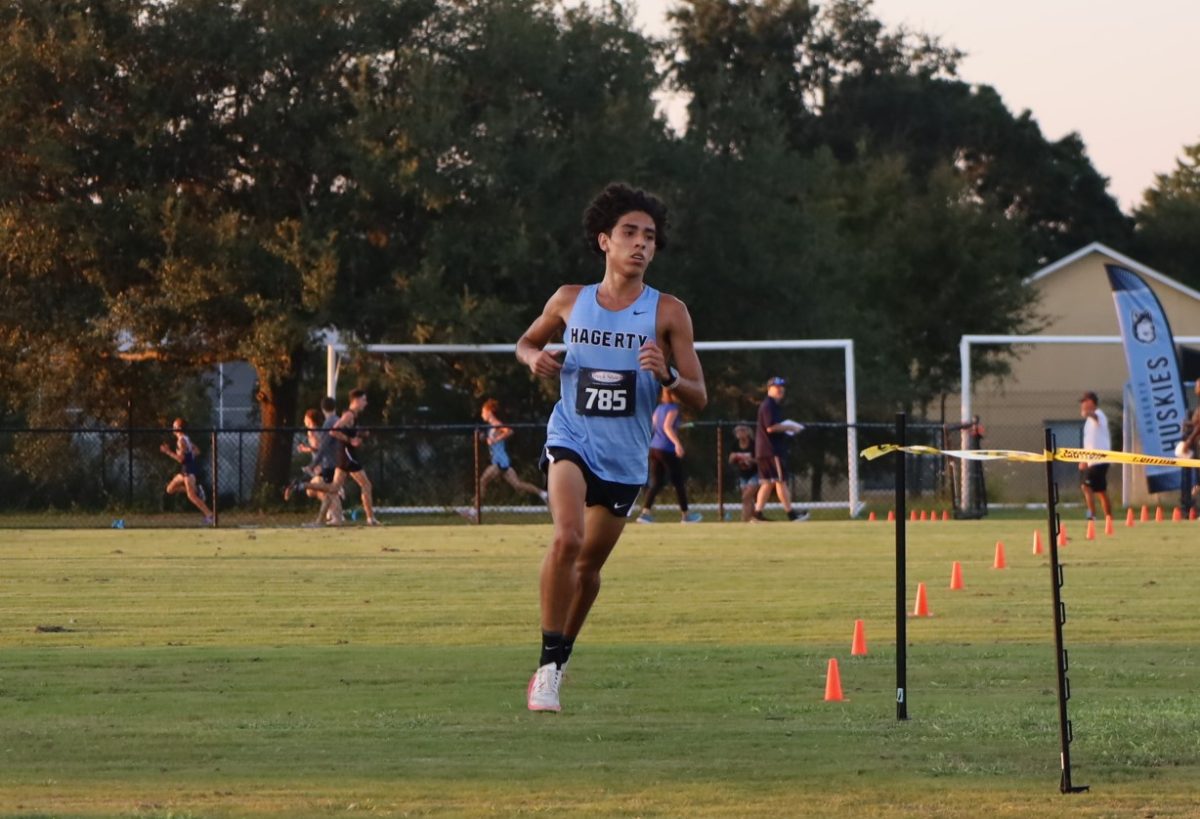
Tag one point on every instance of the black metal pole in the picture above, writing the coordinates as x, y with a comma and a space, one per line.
216, 487
475, 435
720, 473
129, 473
240, 495
1060, 617
901, 558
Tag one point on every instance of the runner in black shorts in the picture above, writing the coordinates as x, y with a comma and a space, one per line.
621, 336
345, 432
1095, 477
186, 480
617, 498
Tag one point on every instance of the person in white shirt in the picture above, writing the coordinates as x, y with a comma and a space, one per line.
1095, 436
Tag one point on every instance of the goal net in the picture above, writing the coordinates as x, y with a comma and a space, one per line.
434, 456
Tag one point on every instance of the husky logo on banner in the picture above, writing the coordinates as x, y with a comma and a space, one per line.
1158, 401
1143, 327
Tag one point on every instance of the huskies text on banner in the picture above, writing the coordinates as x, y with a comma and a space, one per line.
1160, 407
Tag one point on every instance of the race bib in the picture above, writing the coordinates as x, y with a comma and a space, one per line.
607, 393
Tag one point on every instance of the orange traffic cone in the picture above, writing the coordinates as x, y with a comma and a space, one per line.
1158, 516
924, 515
912, 516
1129, 516
1145, 513
1062, 538
871, 518
999, 562
1192, 513
945, 514
1108, 525
891, 515
1176, 515
1091, 530
858, 646
1037, 541
921, 609
833, 682
956, 576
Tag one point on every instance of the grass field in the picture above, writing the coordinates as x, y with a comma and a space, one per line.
287, 672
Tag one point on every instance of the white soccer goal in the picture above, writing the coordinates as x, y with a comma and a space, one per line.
964, 357
853, 503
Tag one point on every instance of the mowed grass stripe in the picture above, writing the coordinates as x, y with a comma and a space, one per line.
295, 672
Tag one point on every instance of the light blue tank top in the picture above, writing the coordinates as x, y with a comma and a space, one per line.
606, 398
499, 455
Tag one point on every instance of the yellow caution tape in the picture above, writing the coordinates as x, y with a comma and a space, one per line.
1065, 454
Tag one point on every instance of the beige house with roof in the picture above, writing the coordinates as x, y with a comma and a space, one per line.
1074, 299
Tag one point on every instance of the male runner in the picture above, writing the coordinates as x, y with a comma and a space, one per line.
345, 432
620, 336
186, 479
1094, 477
326, 457
501, 464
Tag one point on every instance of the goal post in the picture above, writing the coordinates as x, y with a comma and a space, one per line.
967, 386
854, 503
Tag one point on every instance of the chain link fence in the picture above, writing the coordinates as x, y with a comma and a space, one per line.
92, 477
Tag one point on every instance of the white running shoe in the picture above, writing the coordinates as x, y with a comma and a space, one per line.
691, 517
542, 693
645, 517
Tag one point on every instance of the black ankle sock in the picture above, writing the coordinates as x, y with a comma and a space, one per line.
568, 647
552, 648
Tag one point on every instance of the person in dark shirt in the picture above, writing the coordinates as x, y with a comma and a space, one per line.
187, 479
741, 458
771, 445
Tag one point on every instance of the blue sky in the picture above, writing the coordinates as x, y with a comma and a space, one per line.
1122, 74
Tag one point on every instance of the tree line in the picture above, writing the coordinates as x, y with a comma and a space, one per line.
184, 182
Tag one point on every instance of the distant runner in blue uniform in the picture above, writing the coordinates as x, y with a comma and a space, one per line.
621, 336
184, 453
501, 465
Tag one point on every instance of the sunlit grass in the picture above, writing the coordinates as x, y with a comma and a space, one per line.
289, 672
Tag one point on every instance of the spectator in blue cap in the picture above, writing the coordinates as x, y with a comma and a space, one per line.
771, 449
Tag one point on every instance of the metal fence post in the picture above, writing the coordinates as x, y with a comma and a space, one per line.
129, 470
241, 437
720, 472
478, 490
901, 574
216, 486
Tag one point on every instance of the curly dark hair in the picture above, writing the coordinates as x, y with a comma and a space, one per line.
616, 200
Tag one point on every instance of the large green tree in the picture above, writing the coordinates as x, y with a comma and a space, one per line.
878, 223
179, 186
1168, 220
206, 180
836, 77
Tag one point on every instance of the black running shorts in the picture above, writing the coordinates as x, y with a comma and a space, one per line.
617, 498
1096, 477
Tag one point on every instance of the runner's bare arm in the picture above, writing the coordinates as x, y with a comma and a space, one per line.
531, 346
336, 431
679, 345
